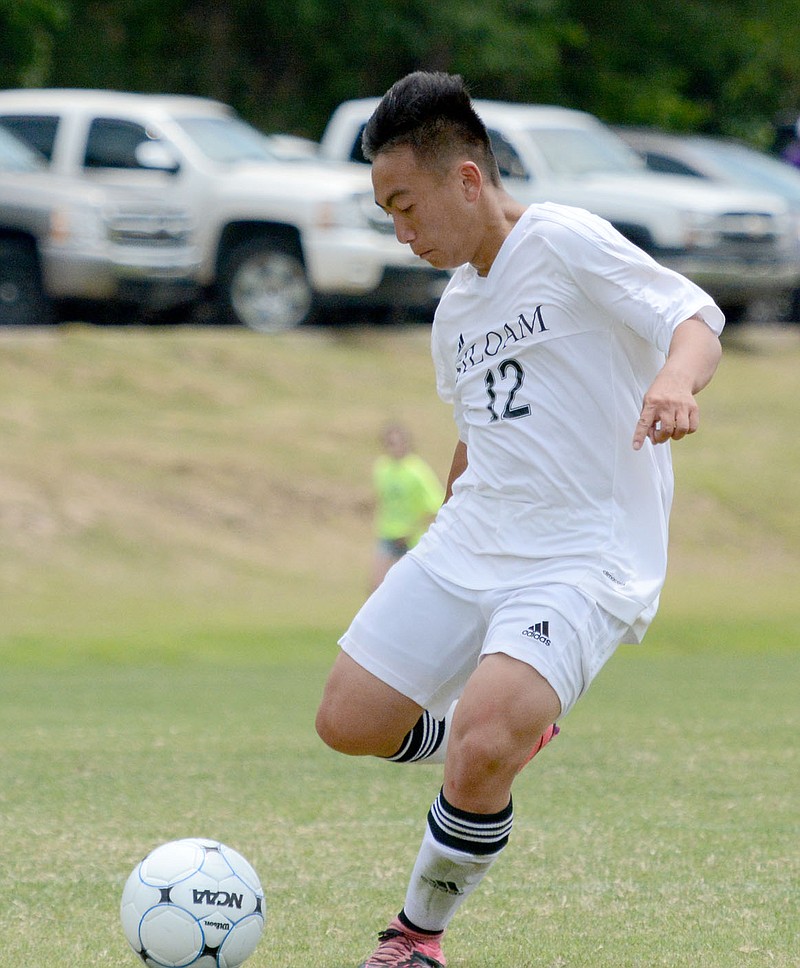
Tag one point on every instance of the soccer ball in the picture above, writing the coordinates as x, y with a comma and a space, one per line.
193, 902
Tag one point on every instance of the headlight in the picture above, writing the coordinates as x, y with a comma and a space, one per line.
356, 211
700, 230
375, 215
76, 225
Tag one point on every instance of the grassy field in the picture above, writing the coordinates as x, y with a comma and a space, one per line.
184, 530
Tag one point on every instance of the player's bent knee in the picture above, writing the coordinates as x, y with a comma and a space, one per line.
330, 730
480, 754
360, 715
481, 766
344, 735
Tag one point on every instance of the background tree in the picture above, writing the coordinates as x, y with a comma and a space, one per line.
28, 29
729, 67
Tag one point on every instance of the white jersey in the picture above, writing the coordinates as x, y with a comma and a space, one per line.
546, 361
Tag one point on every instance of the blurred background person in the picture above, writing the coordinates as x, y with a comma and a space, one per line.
408, 495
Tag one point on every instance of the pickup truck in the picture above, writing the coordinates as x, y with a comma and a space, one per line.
278, 240
740, 245
62, 242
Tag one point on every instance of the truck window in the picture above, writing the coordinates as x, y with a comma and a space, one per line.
112, 143
39, 131
356, 154
671, 166
508, 161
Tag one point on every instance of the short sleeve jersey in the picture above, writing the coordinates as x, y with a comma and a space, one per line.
546, 361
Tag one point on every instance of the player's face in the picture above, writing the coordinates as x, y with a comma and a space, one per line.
431, 209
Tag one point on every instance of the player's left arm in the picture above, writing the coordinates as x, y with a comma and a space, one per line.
669, 410
457, 468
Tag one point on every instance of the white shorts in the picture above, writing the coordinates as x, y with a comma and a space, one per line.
424, 636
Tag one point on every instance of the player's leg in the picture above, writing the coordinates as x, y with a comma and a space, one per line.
530, 675
427, 740
505, 708
417, 639
497, 720
361, 715
404, 658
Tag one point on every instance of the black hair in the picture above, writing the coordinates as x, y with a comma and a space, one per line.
432, 113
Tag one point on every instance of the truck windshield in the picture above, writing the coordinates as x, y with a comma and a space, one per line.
743, 164
17, 156
576, 151
227, 141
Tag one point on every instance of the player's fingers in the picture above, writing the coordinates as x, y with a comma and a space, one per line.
644, 426
686, 422
664, 428
681, 429
661, 427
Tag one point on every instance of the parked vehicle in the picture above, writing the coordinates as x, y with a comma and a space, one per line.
63, 240
722, 161
290, 147
277, 240
738, 244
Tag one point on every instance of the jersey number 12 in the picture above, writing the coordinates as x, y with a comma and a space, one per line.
512, 376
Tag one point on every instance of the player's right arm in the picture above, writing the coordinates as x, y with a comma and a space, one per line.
457, 468
670, 409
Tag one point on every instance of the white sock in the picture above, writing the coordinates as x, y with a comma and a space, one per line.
456, 853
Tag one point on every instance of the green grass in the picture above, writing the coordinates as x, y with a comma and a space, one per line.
660, 830
184, 526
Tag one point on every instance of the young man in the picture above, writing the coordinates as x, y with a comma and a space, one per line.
570, 359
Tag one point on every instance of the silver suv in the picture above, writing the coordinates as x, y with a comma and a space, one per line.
63, 241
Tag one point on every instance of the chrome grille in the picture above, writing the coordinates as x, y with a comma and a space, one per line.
748, 226
148, 228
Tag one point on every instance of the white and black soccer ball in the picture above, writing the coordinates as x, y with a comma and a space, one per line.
193, 902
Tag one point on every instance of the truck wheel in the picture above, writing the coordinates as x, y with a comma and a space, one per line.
22, 299
264, 287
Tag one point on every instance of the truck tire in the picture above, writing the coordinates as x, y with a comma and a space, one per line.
22, 299
263, 285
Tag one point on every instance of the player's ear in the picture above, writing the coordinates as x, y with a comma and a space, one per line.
471, 180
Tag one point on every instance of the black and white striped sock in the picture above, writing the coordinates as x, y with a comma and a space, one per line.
422, 742
469, 833
456, 853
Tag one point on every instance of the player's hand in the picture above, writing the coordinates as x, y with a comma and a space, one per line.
669, 410
667, 414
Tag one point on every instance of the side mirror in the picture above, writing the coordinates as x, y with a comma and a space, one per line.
157, 155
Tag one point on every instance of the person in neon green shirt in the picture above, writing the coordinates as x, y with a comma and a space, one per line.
408, 496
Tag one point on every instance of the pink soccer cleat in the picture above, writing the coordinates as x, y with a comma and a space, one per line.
399, 947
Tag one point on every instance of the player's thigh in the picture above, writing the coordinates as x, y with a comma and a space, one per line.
506, 706
419, 635
560, 632
361, 715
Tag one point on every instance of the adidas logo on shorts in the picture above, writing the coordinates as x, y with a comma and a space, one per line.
539, 631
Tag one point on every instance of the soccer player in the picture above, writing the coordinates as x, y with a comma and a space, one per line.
570, 359
408, 496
